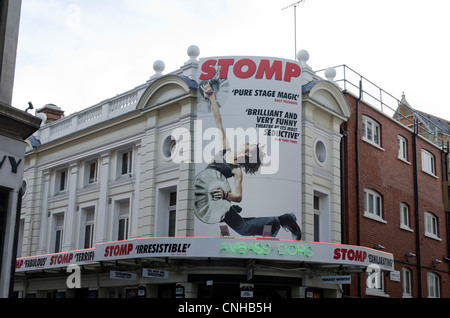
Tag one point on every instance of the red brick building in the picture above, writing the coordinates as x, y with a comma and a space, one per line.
393, 200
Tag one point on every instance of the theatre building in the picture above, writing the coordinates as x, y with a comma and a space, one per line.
220, 179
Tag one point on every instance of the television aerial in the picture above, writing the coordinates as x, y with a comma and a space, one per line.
295, 23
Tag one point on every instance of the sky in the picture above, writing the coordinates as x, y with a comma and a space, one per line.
78, 53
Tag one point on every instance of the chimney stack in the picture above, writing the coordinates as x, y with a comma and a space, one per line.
52, 112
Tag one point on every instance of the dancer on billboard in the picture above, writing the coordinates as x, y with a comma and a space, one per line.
213, 193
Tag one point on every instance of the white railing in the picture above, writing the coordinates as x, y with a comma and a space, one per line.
123, 102
351, 81
113, 107
108, 109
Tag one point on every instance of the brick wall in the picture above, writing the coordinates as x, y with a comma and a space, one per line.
382, 171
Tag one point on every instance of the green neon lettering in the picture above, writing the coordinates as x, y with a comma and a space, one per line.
266, 249
224, 248
280, 249
295, 250
292, 250
242, 248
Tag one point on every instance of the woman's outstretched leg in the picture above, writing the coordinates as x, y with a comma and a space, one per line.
250, 226
255, 226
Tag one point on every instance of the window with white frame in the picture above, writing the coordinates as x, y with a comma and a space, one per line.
433, 283
431, 225
58, 220
404, 216
373, 204
172, 213
125, 163
406, 282
371, 131
316, 218
428, 162
90, 175
374, 281
123, 220
321, 220
89, 218
91, 172
166, 211
61, 181
402, 149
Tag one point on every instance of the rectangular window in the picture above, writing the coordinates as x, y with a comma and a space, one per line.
89, 236
58, 234
321, 218
58, 240
404, 216
428, 162
316, 218
126, 162
406, 275
89, 229
124, 220
92, 172
172, 213
402, 149
431, 225
61, 181
166, 212
123, 229
371, 131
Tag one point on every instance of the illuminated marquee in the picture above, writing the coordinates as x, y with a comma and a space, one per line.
214, 247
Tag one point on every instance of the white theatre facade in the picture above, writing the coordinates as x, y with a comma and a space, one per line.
106, 200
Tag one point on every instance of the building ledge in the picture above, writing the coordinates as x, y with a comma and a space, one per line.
16, 123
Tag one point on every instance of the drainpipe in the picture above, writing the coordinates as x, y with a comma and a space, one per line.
342, 175
416, 212
445, 152
358, 197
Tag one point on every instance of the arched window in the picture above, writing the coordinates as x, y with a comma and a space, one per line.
433, 282
431, 225
371, 131
406, 282
373, 205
